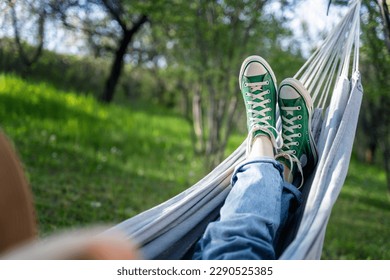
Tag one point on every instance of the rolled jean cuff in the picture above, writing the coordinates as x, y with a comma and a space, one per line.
290, 188
278, 166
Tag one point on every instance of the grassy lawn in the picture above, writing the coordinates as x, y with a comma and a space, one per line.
360, 222
90, 163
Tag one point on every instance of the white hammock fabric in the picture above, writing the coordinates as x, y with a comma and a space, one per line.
169, 230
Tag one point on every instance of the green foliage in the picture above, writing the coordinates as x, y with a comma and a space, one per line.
89, 163
204, 43
360, 219
374, 147
68, 72
375, 69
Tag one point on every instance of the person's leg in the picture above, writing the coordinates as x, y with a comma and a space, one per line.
77, 244
18, 229
251, 214
17, 215
248, 228
298, 153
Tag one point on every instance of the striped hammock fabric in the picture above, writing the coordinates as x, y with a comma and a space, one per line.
169, 230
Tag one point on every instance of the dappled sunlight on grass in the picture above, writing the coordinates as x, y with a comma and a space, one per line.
92, 163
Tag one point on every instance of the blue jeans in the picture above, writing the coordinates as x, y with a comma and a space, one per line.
253, 214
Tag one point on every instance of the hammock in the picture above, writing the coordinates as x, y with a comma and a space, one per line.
169, 230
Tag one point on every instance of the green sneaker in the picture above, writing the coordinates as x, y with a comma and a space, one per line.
258, 87
299, 152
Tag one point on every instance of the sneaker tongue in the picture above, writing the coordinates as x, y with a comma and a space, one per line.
293, 102
290, 102
256, 79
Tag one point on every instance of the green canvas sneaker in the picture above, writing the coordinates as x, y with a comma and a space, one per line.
258, 87
299, 151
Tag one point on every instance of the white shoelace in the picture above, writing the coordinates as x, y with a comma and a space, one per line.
258, 120
258, 116
289, 140
289, 125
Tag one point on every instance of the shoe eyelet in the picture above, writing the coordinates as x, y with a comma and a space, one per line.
245, 84
299, 107
268, 91
294, 152
299, 134
268, 100
299, 126
299, 117
267, 82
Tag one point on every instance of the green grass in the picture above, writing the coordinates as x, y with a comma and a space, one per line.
90, 163
359, 226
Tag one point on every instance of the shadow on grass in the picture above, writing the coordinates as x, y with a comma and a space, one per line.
89, 163
370, 201
79, 189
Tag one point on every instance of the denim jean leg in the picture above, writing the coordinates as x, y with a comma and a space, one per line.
291, 203
250, 216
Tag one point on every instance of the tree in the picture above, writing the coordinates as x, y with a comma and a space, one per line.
373, 132
129, 27
384, 10
28, 20
120, 22
375, 72
202, 43
207, 42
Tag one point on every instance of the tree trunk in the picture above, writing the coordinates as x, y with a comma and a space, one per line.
197, 117
117, 65
384, 9
28, 59
116, 69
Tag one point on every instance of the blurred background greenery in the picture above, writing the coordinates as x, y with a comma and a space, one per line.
139, 100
